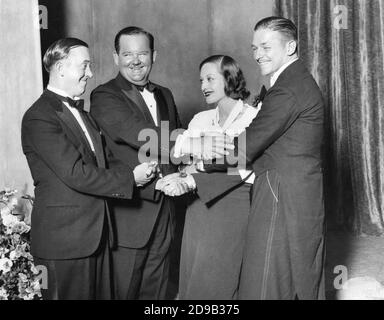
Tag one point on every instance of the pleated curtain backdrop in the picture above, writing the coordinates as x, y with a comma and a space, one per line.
342, 44
20, 85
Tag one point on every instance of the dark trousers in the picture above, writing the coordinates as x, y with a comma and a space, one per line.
212, 247
79, 279
281, 261
144, 273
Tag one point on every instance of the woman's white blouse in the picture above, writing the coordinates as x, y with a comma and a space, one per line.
238, 120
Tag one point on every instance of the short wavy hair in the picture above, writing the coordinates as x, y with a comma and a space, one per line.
59, 50
235, 84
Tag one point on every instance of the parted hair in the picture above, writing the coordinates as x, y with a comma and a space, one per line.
235, 84
132, 30
284, 26
60, 50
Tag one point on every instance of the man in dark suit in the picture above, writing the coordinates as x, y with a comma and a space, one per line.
144, 226
285, 239
71, 227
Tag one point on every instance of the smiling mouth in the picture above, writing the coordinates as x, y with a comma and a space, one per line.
207, 93
136, 67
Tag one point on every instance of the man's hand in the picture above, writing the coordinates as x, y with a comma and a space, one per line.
209, 146
145, 172
173, 185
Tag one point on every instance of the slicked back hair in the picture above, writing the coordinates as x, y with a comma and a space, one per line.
59, 50
284, 26
132, 30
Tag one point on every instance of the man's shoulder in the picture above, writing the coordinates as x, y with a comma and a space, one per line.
162, 88
110, 85
43, 106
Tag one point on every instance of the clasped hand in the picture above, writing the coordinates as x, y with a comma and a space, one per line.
145, 172
174, 185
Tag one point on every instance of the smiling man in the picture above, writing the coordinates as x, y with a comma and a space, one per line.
71, 230
122, 107
283, 256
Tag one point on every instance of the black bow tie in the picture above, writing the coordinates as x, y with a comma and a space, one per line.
263, 92
260, 97
78, 104
147, 86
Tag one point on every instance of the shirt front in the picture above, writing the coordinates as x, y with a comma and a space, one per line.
75, 113
151, 103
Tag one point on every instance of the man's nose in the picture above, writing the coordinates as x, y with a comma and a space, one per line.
88, 72
203, 85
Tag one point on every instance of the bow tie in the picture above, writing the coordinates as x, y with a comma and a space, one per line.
78, 104
259, 98
147, 86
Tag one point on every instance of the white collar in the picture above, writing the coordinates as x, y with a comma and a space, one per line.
60, 92
236, 110
280, 71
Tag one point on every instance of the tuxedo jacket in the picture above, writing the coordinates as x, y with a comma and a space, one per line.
122, 114
286, 135
69, 211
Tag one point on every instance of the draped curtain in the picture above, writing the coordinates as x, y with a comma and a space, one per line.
342, 44
20, 85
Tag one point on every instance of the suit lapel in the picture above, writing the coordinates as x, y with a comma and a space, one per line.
139, 103
67, 117
72, 127
162, 109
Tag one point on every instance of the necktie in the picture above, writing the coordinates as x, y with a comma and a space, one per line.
78, 104
259, 98
147, 86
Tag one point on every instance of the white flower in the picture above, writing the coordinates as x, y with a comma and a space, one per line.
20, 227
3, 294
5, 265
9, 220
23, 277
3, 251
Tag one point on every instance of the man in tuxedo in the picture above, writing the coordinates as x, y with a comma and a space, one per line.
284, 249
144, 226
71, 226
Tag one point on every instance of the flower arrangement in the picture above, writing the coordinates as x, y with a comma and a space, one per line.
19, 278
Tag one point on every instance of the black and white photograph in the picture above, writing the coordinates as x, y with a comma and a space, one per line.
198, 153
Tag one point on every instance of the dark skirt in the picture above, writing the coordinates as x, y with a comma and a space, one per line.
212, 246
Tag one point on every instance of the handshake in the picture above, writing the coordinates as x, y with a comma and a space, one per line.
172, 185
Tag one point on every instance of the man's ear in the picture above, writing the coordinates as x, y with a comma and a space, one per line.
116, 58
58, 66
292, 45
154, 55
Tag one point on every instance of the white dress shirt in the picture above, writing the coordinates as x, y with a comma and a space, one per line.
238, 120
75, 113
150, 101
279, 72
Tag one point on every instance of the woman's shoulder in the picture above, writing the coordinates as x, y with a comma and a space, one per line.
203, 117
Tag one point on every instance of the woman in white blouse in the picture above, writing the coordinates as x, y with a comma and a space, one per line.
213, 235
